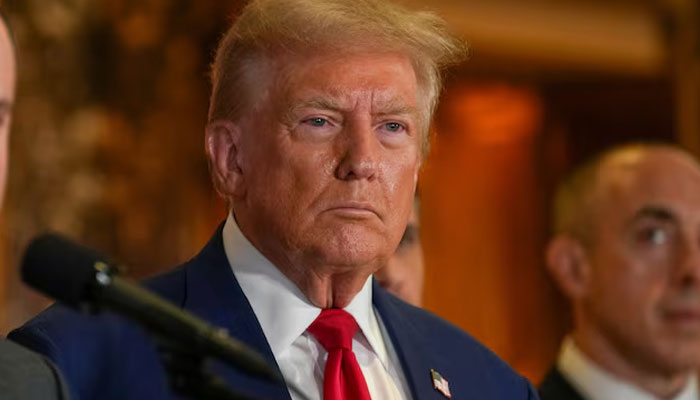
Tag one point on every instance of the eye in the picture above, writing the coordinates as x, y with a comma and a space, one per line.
653, 235
394, 127
316, 121
658, 236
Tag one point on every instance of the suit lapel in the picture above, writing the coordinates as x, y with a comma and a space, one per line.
213, 293
409, 345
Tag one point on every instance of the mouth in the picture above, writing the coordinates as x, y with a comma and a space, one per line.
684, 313
353, 210
684, 317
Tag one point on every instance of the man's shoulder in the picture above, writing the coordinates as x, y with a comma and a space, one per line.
425, 339
443, 336
74, 340
86, 346
60, 324
428, 324
27, 375
171, 284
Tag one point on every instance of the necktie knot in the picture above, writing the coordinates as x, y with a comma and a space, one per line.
342, 376
334, 329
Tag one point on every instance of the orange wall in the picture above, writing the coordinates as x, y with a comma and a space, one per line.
484, 224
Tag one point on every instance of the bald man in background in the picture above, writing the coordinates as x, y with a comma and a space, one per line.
24, 375
626, 252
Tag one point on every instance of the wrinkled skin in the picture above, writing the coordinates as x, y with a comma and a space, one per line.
321, 172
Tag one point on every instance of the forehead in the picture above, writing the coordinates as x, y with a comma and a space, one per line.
382, 79
663, 178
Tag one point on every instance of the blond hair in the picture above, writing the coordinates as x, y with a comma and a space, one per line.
266, 27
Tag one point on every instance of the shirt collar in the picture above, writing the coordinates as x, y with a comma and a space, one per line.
281, 308
597, 384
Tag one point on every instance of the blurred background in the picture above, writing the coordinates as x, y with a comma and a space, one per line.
107, 140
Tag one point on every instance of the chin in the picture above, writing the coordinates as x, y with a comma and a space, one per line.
352, 255
347, 243
679, 356
355, 251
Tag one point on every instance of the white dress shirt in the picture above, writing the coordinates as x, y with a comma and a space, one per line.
285, 313
593, 383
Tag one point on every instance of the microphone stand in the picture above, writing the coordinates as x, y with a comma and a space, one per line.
79, 276
188, 375
186, 367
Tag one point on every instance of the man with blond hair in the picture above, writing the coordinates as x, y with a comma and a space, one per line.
626, 252
318, 125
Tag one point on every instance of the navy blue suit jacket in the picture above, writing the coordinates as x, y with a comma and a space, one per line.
105, 357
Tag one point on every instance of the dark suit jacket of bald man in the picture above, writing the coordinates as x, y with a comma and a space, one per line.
556, 387
105, 357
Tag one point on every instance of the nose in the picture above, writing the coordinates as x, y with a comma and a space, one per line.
360, 152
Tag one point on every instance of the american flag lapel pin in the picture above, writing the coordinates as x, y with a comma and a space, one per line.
440, 384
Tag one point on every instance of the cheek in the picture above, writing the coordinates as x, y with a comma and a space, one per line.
291, 179
306, 174
400, 172
400, 189
314, 166
643, 277
399, 185
630, 292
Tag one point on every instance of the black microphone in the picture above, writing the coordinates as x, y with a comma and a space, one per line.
79, 275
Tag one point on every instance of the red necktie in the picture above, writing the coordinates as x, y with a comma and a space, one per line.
342, 379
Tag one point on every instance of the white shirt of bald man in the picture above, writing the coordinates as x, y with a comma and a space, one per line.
284, 314
595, 383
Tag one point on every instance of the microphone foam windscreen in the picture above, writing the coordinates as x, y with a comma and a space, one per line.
60, 268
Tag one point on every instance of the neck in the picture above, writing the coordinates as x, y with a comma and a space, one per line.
661, 384
324, 284
330, 290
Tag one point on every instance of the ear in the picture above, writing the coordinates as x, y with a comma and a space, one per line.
222, 140
567, 262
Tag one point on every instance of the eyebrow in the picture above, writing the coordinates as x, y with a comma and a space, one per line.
391, 107
396, 108
655, 212
325, 103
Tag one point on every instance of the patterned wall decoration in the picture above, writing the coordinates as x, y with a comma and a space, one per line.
107, 139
